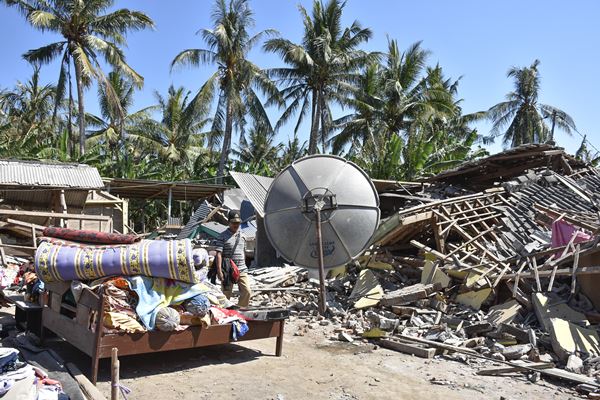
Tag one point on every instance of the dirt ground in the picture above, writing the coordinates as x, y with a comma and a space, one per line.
312, 366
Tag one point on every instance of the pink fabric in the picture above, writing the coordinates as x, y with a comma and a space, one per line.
562, 232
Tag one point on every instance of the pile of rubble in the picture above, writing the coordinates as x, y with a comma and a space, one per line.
503, 267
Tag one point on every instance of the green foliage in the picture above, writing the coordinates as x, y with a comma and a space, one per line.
521, 118
403, 117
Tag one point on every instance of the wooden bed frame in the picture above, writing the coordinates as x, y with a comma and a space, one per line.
86, 332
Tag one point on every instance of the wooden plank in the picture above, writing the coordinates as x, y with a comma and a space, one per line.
18, 213
513, 368
554, 372
407, 348
90, 391
536, 273
574, 272
69, 330
89, 299
2, 254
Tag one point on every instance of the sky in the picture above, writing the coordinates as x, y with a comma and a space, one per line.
475, 40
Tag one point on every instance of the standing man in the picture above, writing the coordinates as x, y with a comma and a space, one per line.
232, 244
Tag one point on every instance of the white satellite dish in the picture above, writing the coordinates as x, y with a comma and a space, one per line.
321, 212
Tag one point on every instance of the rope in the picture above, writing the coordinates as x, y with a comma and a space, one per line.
124, 389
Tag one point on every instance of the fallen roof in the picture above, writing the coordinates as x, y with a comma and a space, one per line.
152, 189
484, 172
19, 174
255, 187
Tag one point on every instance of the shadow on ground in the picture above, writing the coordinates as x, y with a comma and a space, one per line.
144, 365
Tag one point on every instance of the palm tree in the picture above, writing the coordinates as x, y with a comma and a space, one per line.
89, 32
293, 150
26, 114
116, 127
177, 138
321, 69
523, 114
235, 83
258, 153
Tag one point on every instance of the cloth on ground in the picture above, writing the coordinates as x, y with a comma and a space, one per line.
171, 259
156, 293
50, 362
90, 236
25, 389
8, 355
563, 232
5, 385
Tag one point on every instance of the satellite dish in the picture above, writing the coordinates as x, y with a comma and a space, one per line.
325, 189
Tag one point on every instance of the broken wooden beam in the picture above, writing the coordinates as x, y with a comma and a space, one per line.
409, 294
408, 348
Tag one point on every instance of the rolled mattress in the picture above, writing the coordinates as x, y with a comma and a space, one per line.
63, 261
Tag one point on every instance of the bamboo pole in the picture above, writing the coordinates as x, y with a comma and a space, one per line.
114, 387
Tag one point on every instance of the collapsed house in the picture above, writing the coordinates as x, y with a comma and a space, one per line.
496, 258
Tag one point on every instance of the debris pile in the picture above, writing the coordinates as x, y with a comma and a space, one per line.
504, 267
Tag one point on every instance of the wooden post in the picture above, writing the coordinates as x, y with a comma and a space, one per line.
2, 255
33, 238
114, 386
63, 206
169, 201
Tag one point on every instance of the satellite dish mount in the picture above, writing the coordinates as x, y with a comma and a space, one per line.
316, 203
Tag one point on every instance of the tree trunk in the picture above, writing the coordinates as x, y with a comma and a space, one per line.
314, 128
226, 141
79, 79
70, 144
323, 123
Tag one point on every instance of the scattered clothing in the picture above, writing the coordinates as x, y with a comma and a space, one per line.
156, 293
223, 316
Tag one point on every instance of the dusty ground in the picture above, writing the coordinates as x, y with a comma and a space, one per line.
313, 366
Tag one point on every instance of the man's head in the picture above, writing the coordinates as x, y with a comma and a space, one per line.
234, 221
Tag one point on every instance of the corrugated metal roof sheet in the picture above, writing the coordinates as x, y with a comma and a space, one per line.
232, 198
190, 228
18, 173
255, 187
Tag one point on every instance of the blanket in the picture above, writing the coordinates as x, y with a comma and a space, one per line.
89, 236
63, 261
156, 293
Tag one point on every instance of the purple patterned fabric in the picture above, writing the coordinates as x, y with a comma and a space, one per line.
172, 259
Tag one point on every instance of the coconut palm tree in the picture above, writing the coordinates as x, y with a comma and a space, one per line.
89, 33
321, 69
258, 153
178, 137
26, 113
521, 118
237, 82
118, 128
